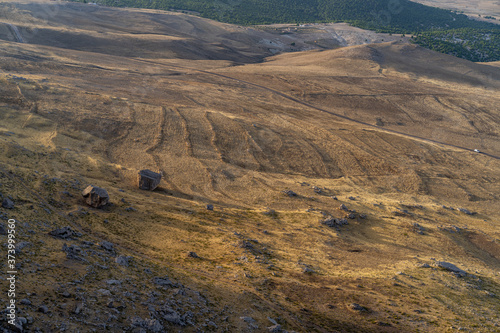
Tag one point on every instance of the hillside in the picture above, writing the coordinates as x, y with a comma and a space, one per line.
376, 142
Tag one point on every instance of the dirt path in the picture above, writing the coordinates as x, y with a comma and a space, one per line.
291, 98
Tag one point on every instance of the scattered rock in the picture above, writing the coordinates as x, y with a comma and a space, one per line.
3, 231
95, 196
43, 309
210, 207
275, 328
351, 216
352, 198
64, 233
357, 307
317, 190
7, 203
270, 212
123, 260
193, 255
107, 245
290, 193
333, 222
72, 252
424, 266
343, 207
148, 180
452, 268
130, 209
25, 301
417, 228
466, 211
164, 282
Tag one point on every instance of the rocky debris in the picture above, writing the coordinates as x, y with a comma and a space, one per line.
317, 190
424, 265
417, 228
112, 282
352, 198
164, 282
22, 245
275, 329
452, 268
334, 222
193, 255
172, 316
64, 233
343, 207
250, 321
451, 228
3, 231
107, 246
362, 216
72, 252
43, 309
7, 203
270, 212
308, 270
148, 180
123, 260
210, 207
290, 193
351, 216
357, 307
466, 211
150, 324
25, 301
334, 198
95, 196
130, 209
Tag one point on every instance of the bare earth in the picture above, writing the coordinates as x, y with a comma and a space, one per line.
388, 129
469, 7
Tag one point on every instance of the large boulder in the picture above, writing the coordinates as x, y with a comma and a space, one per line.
95, 196
148, 180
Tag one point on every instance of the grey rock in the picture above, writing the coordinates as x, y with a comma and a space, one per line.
148, 180
333, 222
290, 193
78, 308
210, 207
72, 251
108, 246
113, 282
3, 231
351, 216
25, 301
164, 282
172, 316
343, 207
7, 203
275, 328
450, 267
357, 307
193, 255
43, 309
64, 233
123, 260
466, 211
95, 196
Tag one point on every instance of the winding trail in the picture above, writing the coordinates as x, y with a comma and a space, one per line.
291, 98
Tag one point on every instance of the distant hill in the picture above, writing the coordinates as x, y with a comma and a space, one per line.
397, 16
390, 16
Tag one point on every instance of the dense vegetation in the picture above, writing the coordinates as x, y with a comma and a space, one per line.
471, 44
393, 16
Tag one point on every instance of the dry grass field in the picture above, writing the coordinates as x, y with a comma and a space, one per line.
388, 130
